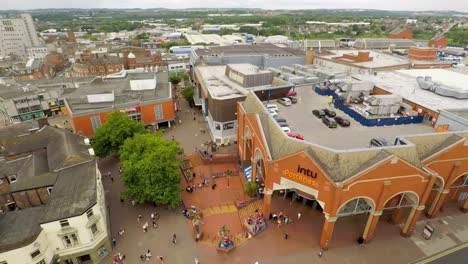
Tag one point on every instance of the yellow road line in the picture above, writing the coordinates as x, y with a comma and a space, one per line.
443, 254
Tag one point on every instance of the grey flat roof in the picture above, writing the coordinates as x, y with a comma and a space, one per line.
124, 96
459, 112
254, 49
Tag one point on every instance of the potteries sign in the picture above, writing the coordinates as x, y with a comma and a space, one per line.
302, 175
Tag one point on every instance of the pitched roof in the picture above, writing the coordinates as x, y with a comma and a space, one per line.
428, 145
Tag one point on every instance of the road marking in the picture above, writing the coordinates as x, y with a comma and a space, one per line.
442, 254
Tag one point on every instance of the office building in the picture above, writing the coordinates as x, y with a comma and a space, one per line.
17, 34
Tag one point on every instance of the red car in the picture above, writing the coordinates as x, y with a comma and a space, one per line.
292, 93
296, 135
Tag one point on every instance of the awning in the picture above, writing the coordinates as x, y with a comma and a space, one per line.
248, 173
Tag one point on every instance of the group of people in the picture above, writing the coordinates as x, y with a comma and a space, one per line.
154, 217
205, 182
257, 221
147, 257
282, 218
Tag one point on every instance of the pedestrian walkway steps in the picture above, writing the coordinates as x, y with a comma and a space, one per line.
223, 209
250, 209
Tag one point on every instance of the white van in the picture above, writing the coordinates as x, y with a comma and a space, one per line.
286, 129
285, 101
272, 107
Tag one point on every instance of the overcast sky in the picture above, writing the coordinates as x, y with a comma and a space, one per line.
459, 5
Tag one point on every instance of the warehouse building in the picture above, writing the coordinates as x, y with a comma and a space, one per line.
262, 55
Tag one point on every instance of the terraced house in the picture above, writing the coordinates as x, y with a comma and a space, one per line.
51, 198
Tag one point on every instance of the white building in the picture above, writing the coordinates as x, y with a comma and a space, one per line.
37, 52
17, 34
52, 176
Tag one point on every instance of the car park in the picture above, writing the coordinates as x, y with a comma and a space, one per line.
342, 121
293, 99
318, 113
329, 112
286, 129
296, 135
285, 101
379, 142
272, 107
329, 122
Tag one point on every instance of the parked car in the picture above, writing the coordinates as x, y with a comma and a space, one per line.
379, 142
286, 129
281, 124
329, 122
273, 113
329, 112
293, 99
296, 135
318, 113
285, 101
292, 93
272, 107
280, 119
342, 121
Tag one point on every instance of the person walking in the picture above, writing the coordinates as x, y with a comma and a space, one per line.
155, 225
152, 216
145, 227
174, 239
148, 255
197, 261
161, 259
139, 218
121, 232
114, 241
299, 216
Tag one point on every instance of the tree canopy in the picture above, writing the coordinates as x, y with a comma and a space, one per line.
151, 170
175, 79
110, 136
188, 93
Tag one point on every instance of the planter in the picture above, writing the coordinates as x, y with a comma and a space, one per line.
225, 250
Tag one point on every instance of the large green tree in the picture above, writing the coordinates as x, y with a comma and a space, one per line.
151, 170
110, 136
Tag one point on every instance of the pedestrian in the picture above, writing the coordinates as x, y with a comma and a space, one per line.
152, 216
145, 227
299, 216
155, 225
180, 121
121, 232
320, 253
161, 259
286, 235
139, 218
197, 261
133, 203
174, 238
112, 179
108, 173
142, 258
114, 241
148, 255
173, 138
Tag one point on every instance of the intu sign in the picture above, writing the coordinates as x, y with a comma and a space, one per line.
303, 175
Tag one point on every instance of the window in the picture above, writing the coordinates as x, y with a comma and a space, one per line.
95, 122
35, 253
70, 240
12, 178
64, 223
94, 229
229, 125
159, 112
41, 262
90, 213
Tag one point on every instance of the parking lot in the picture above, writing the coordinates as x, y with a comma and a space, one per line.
302, 121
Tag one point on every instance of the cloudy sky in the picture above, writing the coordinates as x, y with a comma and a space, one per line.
459, 5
